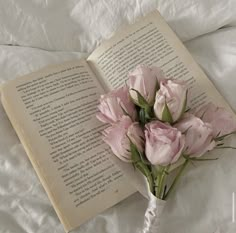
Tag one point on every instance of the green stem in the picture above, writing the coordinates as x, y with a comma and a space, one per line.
156, 183
151, 183
146, 172
161, 180
176, 178
196, 159
148, 112
156, 189
225, 147
154, 171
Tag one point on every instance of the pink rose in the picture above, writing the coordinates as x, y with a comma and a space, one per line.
164, 144
114, 105
144, 79
222, 121
116, 137
170, 101
198, 135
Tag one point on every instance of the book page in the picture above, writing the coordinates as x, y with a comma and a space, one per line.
53, 113
150, 41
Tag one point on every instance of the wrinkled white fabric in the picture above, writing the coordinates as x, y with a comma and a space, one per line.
202, 202
79, 25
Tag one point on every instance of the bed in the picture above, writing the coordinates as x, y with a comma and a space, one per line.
37, 33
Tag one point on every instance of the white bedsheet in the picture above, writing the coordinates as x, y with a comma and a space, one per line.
51, 31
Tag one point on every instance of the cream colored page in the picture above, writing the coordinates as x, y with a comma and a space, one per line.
53, 112
150, 41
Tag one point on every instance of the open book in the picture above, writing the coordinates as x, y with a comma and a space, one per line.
53, 112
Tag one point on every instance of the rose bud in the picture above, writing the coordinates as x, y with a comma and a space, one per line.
144, 81
120, 135
171, 100
164, 144
114, 105
198, 135
222, 121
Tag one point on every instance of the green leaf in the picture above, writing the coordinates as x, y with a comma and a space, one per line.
141, 100
134, 153
142, 167
144, 159
166, 115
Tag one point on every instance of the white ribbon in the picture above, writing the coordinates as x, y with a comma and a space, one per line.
153, 215
155, 205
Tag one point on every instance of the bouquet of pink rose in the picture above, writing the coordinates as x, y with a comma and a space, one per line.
152, 128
